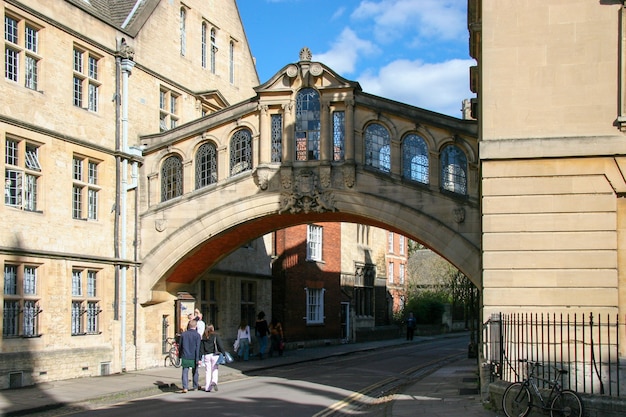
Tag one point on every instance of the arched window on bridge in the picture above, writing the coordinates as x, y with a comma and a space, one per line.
307, 125
206, 165
377, 147
277, 137
339, 135
240, 152
454, 170
171, 178
415, 158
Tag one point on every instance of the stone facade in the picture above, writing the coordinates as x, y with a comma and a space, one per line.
550, 84
49, 239
104, 236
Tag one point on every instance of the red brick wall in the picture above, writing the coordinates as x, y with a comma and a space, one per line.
293, 273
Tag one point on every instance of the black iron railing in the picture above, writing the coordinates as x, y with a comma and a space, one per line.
586, 345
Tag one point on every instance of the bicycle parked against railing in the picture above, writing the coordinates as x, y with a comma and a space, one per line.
172, 352
517, 399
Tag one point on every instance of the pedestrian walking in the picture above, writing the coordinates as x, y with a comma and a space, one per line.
261, 330
242, 343
411, 323
211, 349
276, 337
190, 355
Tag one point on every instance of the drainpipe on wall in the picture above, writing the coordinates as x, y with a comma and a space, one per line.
126, 66
116, 208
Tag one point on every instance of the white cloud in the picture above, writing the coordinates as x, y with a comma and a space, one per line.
440, 87
395, 19
338, 13
345, 51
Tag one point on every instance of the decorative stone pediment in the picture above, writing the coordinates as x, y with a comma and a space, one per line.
306, 73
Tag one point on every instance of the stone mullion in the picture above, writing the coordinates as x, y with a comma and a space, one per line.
349, 132
325, 142
262, 143
288, 133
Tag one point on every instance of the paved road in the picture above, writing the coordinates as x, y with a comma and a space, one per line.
339, 385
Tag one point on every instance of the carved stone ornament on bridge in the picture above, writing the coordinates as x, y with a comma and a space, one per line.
305, 54
160, 225
306, 196
349, 175
459, 214
261, 177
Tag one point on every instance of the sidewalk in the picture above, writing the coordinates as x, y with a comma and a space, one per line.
449, 391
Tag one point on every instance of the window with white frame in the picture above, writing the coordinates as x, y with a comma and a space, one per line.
314, 243
21, 174
390, 241
85, 303
168, 105
21, 309
401, 274
390, 272
401, 244
85, 188
314, 305
85, 79
21, 51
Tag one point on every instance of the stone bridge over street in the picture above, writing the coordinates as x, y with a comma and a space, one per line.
310, 147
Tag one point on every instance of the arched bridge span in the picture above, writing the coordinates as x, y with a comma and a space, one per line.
372, 161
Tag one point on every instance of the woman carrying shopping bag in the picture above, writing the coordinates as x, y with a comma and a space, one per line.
210, 349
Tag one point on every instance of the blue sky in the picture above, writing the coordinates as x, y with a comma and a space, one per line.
412, 51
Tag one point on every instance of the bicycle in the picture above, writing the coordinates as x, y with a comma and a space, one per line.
172, 352
517, 399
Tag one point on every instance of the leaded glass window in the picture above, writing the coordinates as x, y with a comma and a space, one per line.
203, 44
415, 159
307, 125
378, 147
339, 135
277, 137
454, 170
240, 152
183, 32
206, 165
231, 62
171, 178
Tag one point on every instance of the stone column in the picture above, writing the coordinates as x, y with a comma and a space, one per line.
288, 132
349, 132
325, 137
262, 144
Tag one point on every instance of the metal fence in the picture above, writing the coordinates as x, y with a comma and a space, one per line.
585, 345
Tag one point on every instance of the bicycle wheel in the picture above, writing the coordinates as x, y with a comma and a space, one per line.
516, 400
174, 358
566, 404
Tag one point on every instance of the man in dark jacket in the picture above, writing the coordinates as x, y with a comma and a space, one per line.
190, 354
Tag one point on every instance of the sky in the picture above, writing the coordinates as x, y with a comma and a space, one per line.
411, 51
